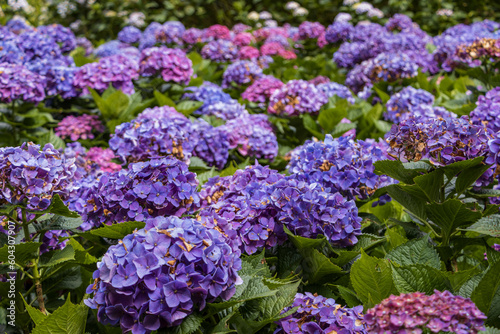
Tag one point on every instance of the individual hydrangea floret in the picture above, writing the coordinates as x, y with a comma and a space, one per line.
320, 315
331, 89
404, 101
220, 51
158, 187
161, 274
173, 64
296, 97
117, 70
442, 312
261, 90
487, 111
240, 73
130, 35
19, 83
79, 127
32, 176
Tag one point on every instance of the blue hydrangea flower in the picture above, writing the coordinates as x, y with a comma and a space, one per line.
240, 73
130, 35
335, 89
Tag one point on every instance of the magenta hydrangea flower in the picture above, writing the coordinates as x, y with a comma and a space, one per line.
416, 312
320, 315
117, 70
218, 31
248, 52
79, 127
240, 73
296, 97
173, 64
243, 39
19, 83
173, 267
102, 157
261, 90
220, 51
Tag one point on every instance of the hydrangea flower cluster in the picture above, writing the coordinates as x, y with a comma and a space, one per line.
19, 83
252, 135
157, 276
442, 141
160, 112
225, 110
102, 157
335, 89
487, 111
218, 31
248, 52
243, 39
169, 32
130, 35
296, 97
261, 90
144, 139
317, 314
414, 312
173, 64
36, 45
212, 144
240, 73
158, 187
220, 51
404, 101
59, 79
480, 50
208, 93
62, 35
338, 31
310, 30
343, 164
117, 70
79, 127
32, 176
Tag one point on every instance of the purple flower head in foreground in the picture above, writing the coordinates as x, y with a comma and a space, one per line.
37, 45
487, 111
61, 35
117, 70
19, 83
32, 176
130, 34
403, 102
158, 187
157, 276
144, 139
79, 127
320, 315
220, 51
261, 90
335, 89
343, 164
173, 64
252, 136
240, 73
414, 312
296, 97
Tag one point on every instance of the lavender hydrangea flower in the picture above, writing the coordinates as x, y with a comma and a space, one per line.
296, 97
343, 164
253, 136
173, 64
169, 33
174, 267
19, 83
144, 139
62, 35
240, 73
130, 35
79, 127
403, 102
36, 45
50, 241
261, 90
117, 70
338, 32
10, 52
193, 36
160, 112
33, 176
240, 27
59, 81
208, 93
158, 187
211, 144
335, 89
414, 312
487, 111
442, 141
224, 110
309, 30
220, 51
317, 314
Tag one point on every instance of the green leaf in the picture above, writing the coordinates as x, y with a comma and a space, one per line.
115, 231
35, 314
197, 165
23, 252
490, 330
329, 118
396, 170
486, 295
348, 295
205, 176
230, 170
383, 95
311, 126
372, 279
469, 176
82, 256
342, 128
163, 100
455, 168
56, 257
418, 277
469, 286
484, 193
458, 278
59, 208
487, 225
189, 325
51, 138
302, 242
415, 252
188, 107
55, 222
318, 266
413, 204
67, 319
431, 184
451, 215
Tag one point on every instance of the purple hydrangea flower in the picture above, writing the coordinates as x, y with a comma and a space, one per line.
320, 315
32, 176
193, 36
79, 127
130, 35
414, 312
160, 112
158, 187
85, 44
253, 136
240, 73
37, 45
220, 51
169, 33
50, 241
19, 83
296, 97
157, 276
335, 89
211, 144
173, 64
404, 101
62, 35
208, 93
261, 90
10, 52
309, 30
487, 111
117, 70
224, 110
240, 27
338, 32
114, 47
218, 31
